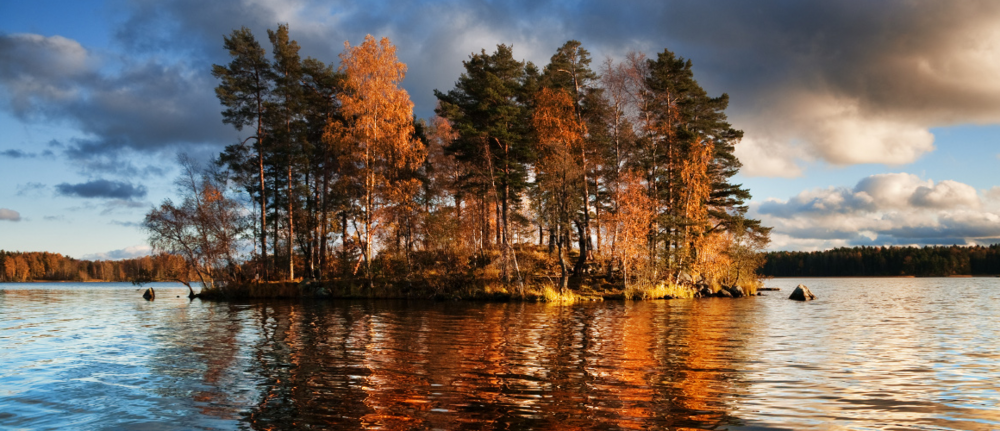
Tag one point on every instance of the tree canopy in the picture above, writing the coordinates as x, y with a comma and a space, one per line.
627, 170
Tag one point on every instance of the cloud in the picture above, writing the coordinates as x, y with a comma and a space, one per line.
9, 215
122, 206
884, 209
103, 189
849, 82
126, 223
838, 82
834, 82
30, 189
124, 105
18, 154
124, 253
15, 154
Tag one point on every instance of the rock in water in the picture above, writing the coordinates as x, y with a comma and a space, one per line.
149, 295
802, 293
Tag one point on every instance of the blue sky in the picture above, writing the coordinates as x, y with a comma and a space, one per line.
870, 123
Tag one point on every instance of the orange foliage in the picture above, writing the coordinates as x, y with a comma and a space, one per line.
560, 137
697, 185
636, 211
380, 141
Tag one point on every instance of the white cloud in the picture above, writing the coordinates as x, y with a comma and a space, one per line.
124, 253
885, 209
9, 214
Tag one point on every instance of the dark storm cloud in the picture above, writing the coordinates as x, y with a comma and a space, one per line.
103, 189
846, 82
841, 81
144, 106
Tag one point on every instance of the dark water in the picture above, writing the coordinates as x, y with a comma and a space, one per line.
869, 354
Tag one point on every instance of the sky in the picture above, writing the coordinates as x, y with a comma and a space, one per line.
866, 123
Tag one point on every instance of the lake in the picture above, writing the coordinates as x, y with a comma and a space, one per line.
869, 353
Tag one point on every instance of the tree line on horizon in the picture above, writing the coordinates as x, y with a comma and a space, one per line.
45, 266
928, 261
623, 170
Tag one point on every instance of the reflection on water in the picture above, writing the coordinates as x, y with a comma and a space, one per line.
869, 354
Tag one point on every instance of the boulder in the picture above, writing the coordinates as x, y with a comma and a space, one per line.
802, 293
149, 294
723, 293
735, 291
685, 278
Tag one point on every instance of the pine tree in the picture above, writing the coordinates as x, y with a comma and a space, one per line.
245, 90
490, 110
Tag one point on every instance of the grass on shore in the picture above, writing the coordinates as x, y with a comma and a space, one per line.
469, 289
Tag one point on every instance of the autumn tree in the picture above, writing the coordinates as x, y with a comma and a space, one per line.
205, 229
559, 175
379, 129
621, 135
632, 219
442, 196
678, 114
569, 71
695, 190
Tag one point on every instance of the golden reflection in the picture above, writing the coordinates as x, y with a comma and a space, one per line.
389, 365
637, 341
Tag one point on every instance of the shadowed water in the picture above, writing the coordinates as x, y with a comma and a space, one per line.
868, 354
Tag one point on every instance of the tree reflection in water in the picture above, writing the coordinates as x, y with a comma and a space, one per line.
397, 364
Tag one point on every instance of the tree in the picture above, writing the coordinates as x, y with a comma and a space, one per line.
678, 116
288, 92
559, 175
321, 88
379, 117
696, 188
489, 109
569, 71
205, 229
632, 219
245, 90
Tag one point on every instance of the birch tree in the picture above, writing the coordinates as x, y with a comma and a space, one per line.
379, 117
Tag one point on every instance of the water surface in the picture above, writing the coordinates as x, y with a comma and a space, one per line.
870, 353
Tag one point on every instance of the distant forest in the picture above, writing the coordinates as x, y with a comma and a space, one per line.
43, 266
937, 261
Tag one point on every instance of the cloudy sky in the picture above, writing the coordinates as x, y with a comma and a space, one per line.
866, 122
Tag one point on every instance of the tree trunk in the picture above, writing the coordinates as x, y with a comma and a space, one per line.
291, 226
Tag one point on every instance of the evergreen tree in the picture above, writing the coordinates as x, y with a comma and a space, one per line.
245, 90
489, 109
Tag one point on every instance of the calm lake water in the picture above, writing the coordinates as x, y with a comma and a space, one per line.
868, 354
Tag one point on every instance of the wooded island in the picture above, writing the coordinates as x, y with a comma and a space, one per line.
601, 180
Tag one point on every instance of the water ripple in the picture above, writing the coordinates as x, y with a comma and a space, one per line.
868, 354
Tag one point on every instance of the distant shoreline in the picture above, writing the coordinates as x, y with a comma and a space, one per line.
884, 276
